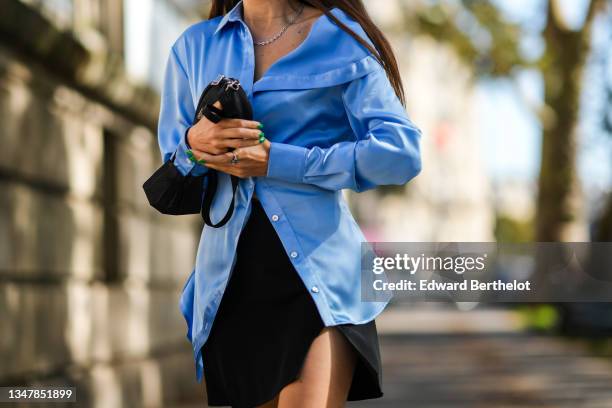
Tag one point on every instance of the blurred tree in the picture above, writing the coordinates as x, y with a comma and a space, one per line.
445, 21
561, 64
508, 229
604, 225
603, 228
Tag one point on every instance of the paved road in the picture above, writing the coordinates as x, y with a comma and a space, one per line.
489, 370
478, 359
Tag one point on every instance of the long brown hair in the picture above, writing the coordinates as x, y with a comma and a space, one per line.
356, 10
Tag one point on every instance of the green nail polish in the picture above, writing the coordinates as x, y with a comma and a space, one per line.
260, 126
201, 161
189, 153
262, 134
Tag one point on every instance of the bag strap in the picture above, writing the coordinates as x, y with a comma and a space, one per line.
207, 99
212, 113
209, 195
209, 96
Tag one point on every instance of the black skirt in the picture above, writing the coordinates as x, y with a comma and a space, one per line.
266, 323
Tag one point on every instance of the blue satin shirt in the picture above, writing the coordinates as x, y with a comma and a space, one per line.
334, 122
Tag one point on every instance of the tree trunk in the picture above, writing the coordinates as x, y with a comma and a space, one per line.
604, 226
558, 204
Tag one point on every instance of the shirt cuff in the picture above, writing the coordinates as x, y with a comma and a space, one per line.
181, 160
186, 139
287, 162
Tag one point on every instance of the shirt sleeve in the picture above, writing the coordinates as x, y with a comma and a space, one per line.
386, 150
176, 113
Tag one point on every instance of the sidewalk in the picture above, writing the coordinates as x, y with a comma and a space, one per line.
482, 358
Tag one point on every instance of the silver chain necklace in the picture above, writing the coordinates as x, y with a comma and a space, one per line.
282, 31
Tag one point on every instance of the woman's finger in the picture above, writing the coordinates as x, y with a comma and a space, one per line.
240, 123
240, 133
206, 158
236, 143
221, 159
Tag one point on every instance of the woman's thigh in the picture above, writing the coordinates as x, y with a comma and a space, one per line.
326, 376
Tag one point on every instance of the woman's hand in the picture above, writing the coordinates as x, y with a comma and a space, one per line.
251, 161
218, 138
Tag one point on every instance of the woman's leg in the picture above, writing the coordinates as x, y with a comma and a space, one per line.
326, 376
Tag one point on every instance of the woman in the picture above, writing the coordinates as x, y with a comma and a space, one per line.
273, 304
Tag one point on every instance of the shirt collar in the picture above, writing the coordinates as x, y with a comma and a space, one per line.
234, 14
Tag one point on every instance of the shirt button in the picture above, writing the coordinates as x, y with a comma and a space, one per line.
294, 254
275, 217
314, 289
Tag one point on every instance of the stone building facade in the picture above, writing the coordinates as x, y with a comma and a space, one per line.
90, 275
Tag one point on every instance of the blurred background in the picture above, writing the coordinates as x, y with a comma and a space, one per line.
515, 101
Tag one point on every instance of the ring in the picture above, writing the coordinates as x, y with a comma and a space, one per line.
235, 159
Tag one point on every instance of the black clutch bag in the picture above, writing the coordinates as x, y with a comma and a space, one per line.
168, 191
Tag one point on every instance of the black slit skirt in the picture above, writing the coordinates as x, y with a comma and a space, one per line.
265, 324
